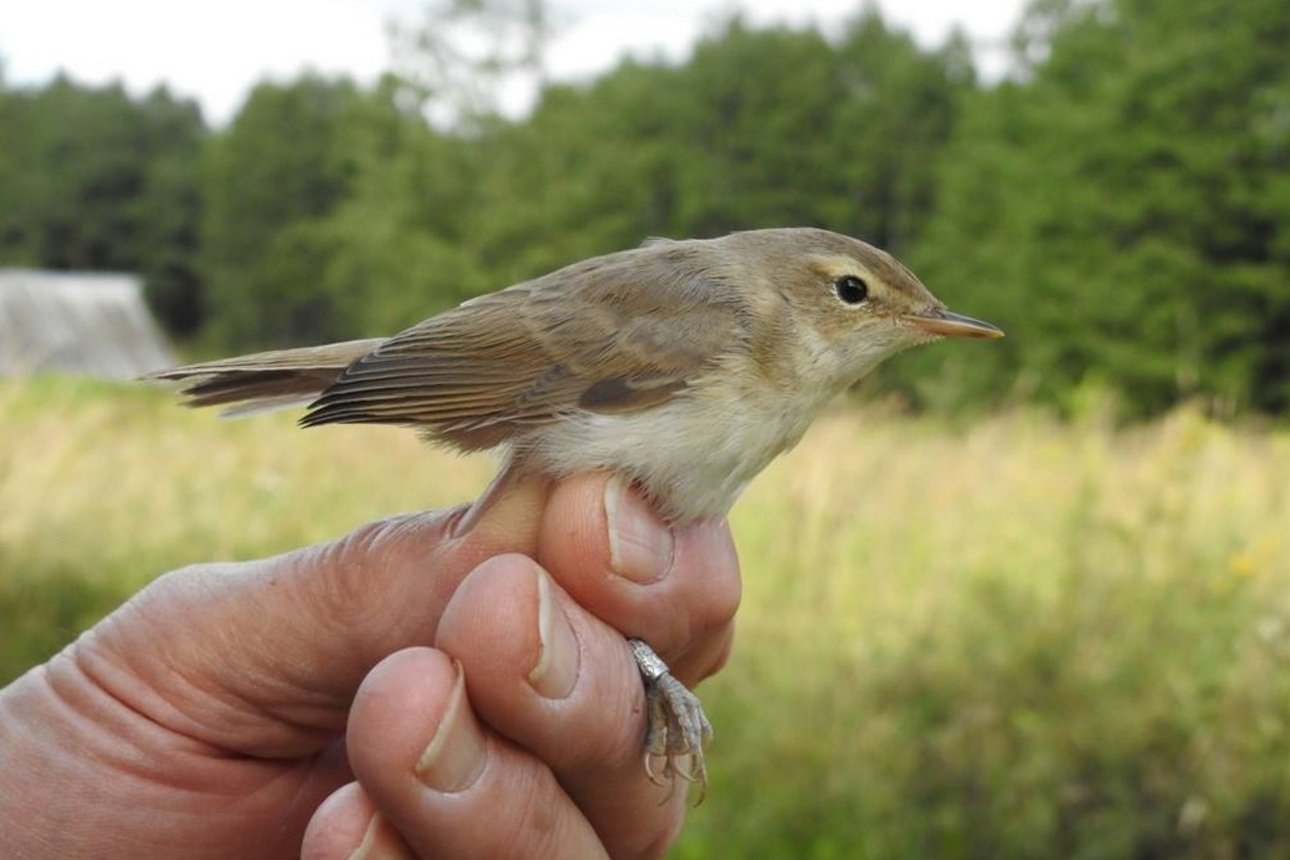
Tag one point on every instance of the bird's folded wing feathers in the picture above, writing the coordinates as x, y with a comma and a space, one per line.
479, 373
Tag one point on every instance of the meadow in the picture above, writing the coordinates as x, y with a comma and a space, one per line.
1004, 637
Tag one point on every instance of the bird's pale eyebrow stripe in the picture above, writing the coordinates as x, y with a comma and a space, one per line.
833, 268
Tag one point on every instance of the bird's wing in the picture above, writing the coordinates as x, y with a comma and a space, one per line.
613, 335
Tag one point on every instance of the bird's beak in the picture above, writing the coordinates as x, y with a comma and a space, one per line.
949, 324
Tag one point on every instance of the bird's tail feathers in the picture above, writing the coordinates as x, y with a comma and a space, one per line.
265, 381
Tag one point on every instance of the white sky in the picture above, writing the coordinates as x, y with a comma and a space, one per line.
215, 51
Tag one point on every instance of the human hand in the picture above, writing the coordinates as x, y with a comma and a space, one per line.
227, 707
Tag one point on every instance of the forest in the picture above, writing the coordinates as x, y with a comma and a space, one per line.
1119, 202
1021, 599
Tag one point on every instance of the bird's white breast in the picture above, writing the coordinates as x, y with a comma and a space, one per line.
693, 455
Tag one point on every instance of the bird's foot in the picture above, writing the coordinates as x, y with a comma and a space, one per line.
676, 728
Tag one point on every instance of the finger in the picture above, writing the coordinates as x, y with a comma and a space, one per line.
264, 657
563, 685
675, 587
347, 826
451, 786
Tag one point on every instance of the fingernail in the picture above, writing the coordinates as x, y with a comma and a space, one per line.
455, 756
380, 842
640, 544
556, 670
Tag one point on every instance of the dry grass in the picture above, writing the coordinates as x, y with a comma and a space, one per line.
1006, 638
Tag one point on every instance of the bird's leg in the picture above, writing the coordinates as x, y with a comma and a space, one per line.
676, 728
494, 491
675, 725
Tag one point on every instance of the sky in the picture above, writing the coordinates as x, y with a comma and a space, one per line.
216, 51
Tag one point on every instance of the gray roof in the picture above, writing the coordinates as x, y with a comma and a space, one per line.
87, 323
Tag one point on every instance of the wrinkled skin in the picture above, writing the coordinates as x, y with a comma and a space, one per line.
280, 707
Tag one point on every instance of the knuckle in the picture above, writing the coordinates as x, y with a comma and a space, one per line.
615, 738
722, 654
712, 587
658, 846
536, 824
348, 573
716, 606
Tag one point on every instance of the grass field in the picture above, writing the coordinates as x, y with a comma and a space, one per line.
1010, 638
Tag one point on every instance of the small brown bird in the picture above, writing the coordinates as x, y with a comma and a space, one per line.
685, 366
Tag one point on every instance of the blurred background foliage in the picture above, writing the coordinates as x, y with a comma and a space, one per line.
1120, 203
1002, 638
1039, 632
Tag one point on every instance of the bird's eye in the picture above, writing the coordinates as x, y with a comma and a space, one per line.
851, 289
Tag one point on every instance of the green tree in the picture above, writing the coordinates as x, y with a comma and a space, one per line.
91, 179
1123, 209
399, 239
268, 181
170, 212
760, 127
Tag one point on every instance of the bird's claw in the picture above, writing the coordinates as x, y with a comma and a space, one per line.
676, 729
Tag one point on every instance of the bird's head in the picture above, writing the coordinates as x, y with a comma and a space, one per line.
854, 305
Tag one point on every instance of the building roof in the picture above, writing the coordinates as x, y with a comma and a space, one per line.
90, 323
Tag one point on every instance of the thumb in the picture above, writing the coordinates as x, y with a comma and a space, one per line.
264, 657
